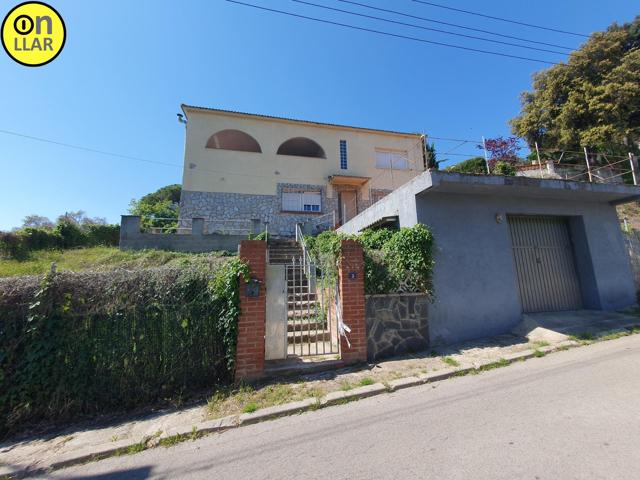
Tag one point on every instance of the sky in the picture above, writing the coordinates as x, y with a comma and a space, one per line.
127, 66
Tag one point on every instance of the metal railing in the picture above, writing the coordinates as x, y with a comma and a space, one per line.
595, 168
308, 266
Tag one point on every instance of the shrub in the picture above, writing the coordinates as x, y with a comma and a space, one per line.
40, 238
103, 235
392, 259
476, 165
76, 344
504, 168
71, 235
12, 246
375, 239
409, 256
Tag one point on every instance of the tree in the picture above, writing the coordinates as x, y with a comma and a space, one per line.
474, 165
158, 209
37, 221
79, 217
431, 157
501, 149
593, 100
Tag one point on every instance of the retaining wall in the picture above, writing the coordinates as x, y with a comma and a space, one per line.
131, 238
396, 324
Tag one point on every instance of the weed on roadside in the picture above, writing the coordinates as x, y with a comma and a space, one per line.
452, 362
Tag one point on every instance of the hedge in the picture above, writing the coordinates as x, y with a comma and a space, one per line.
65, 235
394, 260
79, 344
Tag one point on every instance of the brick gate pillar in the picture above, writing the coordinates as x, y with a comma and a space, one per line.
351, 279
253, 313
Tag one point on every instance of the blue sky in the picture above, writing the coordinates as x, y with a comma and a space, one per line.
128, 65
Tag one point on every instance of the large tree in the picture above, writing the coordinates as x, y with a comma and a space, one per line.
160, 208
593, 100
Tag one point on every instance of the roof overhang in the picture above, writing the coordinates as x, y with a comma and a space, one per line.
348, 180
612, 193
186, 109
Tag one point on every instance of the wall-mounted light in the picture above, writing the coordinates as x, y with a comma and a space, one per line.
181, 118
499, 218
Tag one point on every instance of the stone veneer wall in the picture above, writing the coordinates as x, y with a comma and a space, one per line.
396, 324
246, 207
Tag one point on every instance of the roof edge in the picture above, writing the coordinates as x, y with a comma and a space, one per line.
186, 107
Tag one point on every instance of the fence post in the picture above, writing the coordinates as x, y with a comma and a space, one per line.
586, 159
351, 281
634, 167
253, 314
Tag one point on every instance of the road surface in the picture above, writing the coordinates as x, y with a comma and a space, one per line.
570, 415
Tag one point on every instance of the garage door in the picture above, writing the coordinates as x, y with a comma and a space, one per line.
545, 264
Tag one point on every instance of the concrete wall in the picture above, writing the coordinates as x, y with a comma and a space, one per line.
131, 238
476, 289
396, 324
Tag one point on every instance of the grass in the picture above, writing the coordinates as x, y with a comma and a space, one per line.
452, 362
538, 354
100, 258
246, 399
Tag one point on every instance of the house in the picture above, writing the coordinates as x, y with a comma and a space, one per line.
247, 172
508, 246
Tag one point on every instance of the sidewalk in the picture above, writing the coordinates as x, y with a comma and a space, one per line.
294, 395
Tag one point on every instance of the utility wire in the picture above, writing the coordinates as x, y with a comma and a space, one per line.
427, 28
138, 159
395, 35
416, 17
500, 18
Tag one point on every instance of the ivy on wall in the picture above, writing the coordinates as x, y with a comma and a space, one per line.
395, 260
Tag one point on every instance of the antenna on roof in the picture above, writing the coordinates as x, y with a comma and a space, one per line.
181, 118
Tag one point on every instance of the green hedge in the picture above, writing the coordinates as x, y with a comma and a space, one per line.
79, 344
65, 235
394, 260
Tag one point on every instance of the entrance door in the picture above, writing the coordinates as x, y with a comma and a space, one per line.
544, 260
348, 205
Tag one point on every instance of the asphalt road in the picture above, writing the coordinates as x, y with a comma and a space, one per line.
570, 415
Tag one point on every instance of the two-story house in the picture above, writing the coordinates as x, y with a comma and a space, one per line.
246, 170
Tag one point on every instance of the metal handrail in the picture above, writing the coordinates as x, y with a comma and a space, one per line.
306, 258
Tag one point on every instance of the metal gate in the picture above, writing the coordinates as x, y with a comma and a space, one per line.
544, 260
312, 318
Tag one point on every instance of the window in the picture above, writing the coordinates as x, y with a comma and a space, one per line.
343, 154
234, 140
301, 147
301, 201
392, 159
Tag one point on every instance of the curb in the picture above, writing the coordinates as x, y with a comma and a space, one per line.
334, 398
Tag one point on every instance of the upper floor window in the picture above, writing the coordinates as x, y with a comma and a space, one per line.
234, 140
343, 154
301, 201
301, 147
394, 159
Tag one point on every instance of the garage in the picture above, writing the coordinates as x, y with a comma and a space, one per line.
545, 263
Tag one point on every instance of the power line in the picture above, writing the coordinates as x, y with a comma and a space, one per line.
500, 18
416, 17
427, 28
139, 159
395, 35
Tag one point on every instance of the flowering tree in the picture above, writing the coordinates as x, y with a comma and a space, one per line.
501, 149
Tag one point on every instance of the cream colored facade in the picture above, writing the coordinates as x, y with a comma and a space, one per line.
267, 173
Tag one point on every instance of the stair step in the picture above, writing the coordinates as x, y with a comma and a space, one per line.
302, 314
294, 326
301, 337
